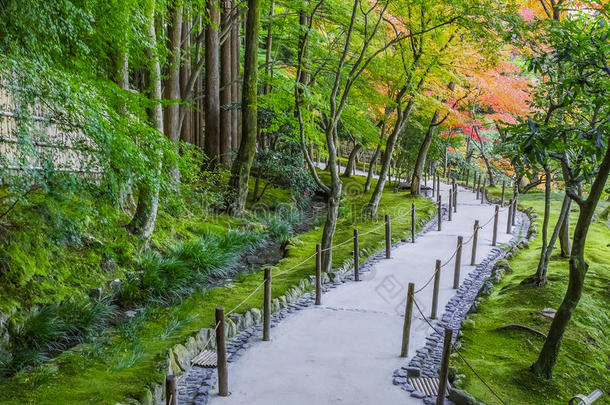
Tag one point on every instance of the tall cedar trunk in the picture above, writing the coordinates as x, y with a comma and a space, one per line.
268, 64
225, 88
186, 133
121, 76
268, 49
172, 82
212, 85
422, 154
539, 278
369, 177
578, 270
235, 117
351, 161
143, 222
373, 205
240, 173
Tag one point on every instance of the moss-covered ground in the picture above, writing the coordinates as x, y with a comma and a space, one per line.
503, 358
119, 364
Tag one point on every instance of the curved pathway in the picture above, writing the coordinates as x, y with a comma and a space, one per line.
346, 350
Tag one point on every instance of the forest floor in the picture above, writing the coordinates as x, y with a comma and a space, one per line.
503, 357
121, 364
347, 349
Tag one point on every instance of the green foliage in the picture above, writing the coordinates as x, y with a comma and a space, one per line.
286, 168
582, 363
47, 331
187, 267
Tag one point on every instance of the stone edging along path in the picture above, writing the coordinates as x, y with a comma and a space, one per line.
195, 386
479, 282
195, 383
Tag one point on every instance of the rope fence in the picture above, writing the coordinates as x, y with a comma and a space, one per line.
459, 354
220, 314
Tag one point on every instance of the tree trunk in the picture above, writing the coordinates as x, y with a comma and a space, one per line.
578, 270
171, 122
212, 85
349, 168
235, 113
563, 213
564, 234
172, 82
369, 177
186, 133
240, 173
539, 278
422, 154
225, 88
373, 205
333, 202
143, 222
268, 49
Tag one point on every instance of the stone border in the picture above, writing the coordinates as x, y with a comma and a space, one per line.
195, 383
478, 283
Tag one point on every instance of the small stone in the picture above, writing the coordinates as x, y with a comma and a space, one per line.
400, 373
412, 372
399, 380
418, 394
407, 387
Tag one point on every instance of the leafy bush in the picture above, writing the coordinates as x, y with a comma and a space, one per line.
51, 329
286, 169
187, 267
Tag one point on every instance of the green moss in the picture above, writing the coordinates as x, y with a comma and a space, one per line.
503, 358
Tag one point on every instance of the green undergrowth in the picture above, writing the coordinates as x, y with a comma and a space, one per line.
503, 358
118, 364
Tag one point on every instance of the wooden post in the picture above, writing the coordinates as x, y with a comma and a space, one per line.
221, 353
439, 212
412, 222
267, 306
356, 257
474, 183
458, 262
495, 236
318, 274
455, 194
425, 178
483, 190
509, 220
514, 210
437, 280
467, 177
444, 370
475, 237
503, 187
388, 236
450, 206
171, 390
433, 184
406, 327
478, 189
438, 184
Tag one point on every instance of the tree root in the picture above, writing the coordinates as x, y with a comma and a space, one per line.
516, 326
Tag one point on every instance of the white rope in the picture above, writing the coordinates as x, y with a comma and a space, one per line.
246, 299
295, 266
